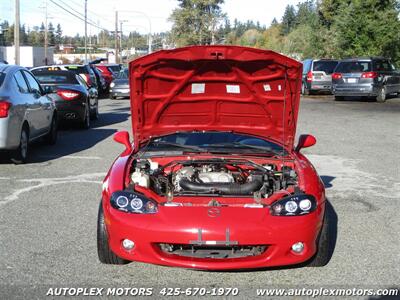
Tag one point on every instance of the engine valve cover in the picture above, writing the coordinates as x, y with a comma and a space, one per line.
216, 177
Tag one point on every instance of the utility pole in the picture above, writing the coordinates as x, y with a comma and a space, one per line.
86, 31
116, 38
121, 37
16, 33
45, 35
149, 37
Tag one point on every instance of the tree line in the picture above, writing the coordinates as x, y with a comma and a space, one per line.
30, 36
311, 29
104, 39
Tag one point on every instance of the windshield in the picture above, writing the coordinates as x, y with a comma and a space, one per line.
326, 66
221, 142
353, 67
123, 74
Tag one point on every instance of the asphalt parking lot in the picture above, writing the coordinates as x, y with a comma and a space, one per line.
48, 208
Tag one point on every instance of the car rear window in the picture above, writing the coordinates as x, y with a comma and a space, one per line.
55, 78
327, 66
77, 69
353, 67
51, 68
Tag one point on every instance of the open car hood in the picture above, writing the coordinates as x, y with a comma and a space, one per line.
222, 88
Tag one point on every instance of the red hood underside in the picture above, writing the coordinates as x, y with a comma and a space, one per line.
222, 88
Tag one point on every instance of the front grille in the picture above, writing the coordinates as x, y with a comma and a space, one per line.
212, 252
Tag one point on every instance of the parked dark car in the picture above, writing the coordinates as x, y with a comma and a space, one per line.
74, 99
26, 112
107, 73
115, 68
85, 71
120, 86
317, 75
370, 77
100, 80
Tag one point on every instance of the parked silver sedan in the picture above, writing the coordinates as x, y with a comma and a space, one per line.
120, 85
26, 112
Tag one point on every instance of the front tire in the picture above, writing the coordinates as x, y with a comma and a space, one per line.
105, 254
322, 256
20, 155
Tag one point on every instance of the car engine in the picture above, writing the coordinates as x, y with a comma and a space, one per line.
212, 177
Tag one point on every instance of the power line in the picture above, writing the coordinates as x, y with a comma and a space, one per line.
76, 11
93, 13
77, 16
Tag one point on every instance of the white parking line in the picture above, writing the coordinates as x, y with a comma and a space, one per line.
69, 156
43, 182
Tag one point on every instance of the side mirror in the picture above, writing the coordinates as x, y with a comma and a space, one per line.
122, 137
305, 141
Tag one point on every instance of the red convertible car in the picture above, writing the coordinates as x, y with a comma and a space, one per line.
212, 179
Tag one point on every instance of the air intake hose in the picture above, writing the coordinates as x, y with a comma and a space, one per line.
226, 188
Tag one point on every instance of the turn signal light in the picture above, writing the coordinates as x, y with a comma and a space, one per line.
4, 108
369, 75
67, 95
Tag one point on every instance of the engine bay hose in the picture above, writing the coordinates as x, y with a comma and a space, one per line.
222, 187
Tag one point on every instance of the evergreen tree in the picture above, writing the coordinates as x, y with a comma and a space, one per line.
58, 35
195, 22
368, 27
51, 34
288, 19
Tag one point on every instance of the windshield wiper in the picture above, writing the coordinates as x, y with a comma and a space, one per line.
237, 145
185, 147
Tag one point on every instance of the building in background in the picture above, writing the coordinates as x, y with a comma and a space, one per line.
29, 56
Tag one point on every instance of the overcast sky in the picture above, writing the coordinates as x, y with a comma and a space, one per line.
102, 12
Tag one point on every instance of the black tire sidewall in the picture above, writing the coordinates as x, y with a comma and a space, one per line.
105, 254
86, 120
322, 256
52, 137
381, 97
17, 156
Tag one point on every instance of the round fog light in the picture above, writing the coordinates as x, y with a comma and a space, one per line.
298, 247
128, 244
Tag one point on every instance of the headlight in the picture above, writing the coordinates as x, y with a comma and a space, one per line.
294, 205
112, 84
133, 202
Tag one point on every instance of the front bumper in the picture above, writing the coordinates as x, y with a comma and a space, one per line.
119, 92
246, 227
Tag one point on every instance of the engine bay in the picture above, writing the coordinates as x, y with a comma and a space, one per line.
212, 177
